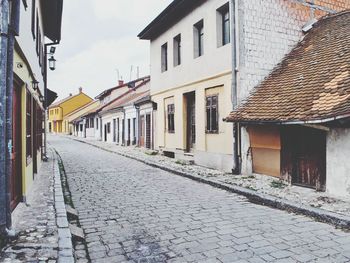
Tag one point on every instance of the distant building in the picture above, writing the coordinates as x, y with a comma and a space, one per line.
69, 119
59, 110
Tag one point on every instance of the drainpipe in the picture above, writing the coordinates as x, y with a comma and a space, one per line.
13, 31
4, 21
235, 64
137, 135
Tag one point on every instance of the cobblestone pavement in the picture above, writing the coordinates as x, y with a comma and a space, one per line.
35, 223
131, 212
259, 183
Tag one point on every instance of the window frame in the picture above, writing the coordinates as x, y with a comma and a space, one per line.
224, 20
171, 118
177, 50
164, 57
211, 130
198, 38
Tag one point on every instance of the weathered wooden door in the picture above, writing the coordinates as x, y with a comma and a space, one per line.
16, 178
308, 156
142, 131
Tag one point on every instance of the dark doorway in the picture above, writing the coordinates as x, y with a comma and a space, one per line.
129, 132
105, 126
16, 178
191, 121
304, 152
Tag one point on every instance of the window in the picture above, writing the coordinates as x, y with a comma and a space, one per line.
164, 57
87, 123
37, 34
91, 122
212, 114
198, 39
29, 127
129, 131
33, 19
223, 25
171, 122
96, 123
108, 127
177, 50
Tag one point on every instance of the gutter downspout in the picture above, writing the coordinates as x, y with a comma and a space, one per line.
44, 151
13, 31
235, 68
4, 21
138, 125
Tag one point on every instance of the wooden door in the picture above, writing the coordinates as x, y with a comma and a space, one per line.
34, 136
142, 131
148, 131
16, 177
308, 156
191, 121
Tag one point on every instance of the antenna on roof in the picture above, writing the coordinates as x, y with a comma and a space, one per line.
131, 72
118, 74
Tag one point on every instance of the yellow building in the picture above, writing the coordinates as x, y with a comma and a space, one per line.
68, 119
29, 71
59, 110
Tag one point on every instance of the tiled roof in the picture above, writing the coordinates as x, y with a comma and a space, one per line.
59, 102
311, 84
127, 100
103, 106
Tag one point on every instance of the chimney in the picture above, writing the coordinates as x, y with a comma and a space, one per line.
120, 82
80, 90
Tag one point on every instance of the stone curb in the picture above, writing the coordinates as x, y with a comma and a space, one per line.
321, 215
65, 246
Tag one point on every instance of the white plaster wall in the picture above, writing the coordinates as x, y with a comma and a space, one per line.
338, 165
90, 133
27, 43
108, 118
215, 59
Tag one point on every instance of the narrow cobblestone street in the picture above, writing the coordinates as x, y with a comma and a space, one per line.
131, 212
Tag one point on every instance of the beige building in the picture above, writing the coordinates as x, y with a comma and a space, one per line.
191, 81
69, 118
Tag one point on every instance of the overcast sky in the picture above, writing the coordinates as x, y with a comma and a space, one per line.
99, 37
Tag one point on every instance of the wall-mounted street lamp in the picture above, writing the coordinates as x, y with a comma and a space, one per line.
52, 63
35, 84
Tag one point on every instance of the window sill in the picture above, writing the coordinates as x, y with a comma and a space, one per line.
211, 132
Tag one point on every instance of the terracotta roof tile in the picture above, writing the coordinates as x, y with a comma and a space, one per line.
311, 84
